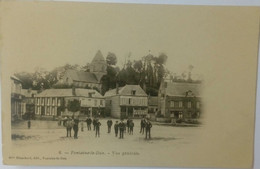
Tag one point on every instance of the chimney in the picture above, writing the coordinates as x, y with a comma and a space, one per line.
117, 89
73, 91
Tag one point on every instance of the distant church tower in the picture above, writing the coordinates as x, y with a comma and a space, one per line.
98, 66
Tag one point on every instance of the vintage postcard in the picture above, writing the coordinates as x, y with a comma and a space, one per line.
99, 84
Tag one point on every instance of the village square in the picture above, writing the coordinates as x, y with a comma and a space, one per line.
142, 101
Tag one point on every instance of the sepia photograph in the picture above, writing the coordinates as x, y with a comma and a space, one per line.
134, 85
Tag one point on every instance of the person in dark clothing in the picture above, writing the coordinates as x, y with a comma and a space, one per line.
116, 126
131, 126
76, 128
148, 127
109, 124
89, 121
98, 124
69, 124
121, 126
94, 123
127, 125
29, 124
142, 126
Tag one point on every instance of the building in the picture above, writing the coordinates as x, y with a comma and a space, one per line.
152, 104
89, 79
29, 100
127, 101
80, 79
180, 100
54, 102
17, 105
98, 66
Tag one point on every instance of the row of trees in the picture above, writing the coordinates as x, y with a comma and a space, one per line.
148, 72
43, 79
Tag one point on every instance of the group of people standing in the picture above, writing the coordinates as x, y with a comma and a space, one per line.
120, 128
71, 123
146, 126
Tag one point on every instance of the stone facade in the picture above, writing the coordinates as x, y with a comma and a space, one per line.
180, 100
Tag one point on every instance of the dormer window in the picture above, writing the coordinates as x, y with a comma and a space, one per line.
133, 92
89, 94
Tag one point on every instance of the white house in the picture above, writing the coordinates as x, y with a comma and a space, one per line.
53, 102
127, 101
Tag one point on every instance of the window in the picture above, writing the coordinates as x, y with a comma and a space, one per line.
53, 110
133, 92
123, 109
42, 101
53, 101
180, 103
58, 102
38, 110
129, 101
48, 110
101, 102
189, 104
48, 101
176, 104
198, 104
180, 115
171, 103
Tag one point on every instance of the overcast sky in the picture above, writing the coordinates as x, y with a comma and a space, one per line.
48, 35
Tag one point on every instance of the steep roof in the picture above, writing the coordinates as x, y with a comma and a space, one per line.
180, 88
98, 58
85, 92
69, 93
15, 78
82, 76
127, 91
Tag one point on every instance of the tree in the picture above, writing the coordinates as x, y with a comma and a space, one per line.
110, 79
73, 105
162, 58
26, 78
111, 59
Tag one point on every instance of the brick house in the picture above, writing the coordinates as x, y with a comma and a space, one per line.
180, 100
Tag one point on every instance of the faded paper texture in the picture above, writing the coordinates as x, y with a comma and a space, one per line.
220, 42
